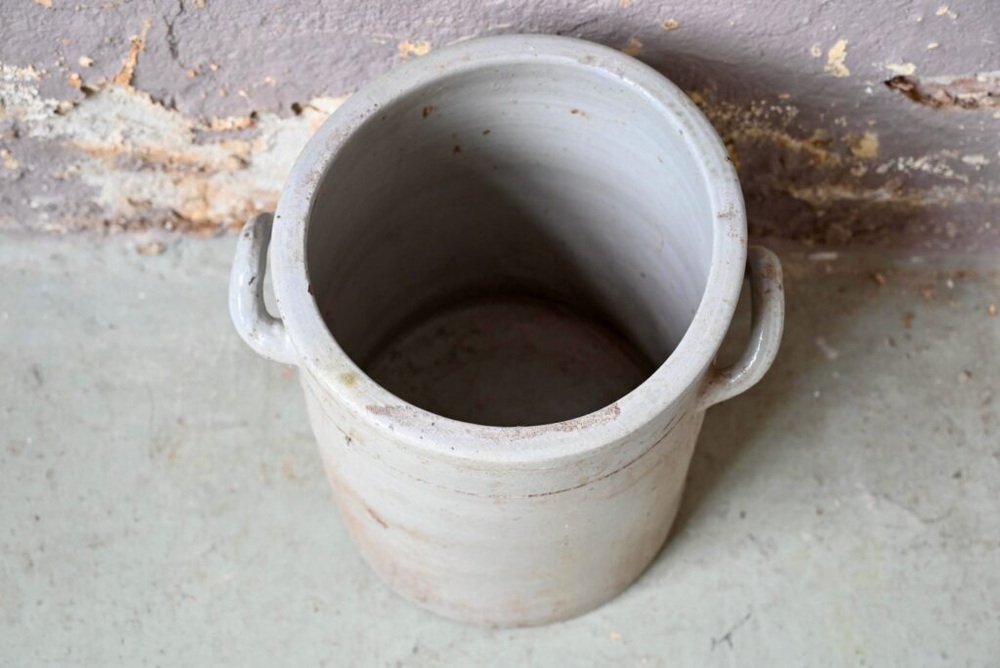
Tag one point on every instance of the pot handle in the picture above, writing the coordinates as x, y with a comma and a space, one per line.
258, 328
768, 306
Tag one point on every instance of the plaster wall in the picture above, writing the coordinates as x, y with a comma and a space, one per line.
851, 122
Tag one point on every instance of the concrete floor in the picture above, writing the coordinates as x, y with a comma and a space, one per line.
161, 501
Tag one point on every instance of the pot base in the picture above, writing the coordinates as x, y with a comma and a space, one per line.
509, 361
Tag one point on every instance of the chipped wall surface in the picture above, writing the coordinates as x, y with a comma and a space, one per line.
850, 122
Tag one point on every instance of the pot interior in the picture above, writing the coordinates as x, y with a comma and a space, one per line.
516, 244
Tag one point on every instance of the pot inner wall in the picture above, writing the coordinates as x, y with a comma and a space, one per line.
512, 245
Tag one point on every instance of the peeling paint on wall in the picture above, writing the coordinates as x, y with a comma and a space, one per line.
146, 165
835, 58
864, 146
977, 92
407, 48
904, 69
137, 44
188, 114
831, 180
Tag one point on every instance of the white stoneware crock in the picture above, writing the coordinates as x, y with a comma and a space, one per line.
536, 244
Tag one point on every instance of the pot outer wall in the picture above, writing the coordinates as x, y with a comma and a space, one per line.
500, 547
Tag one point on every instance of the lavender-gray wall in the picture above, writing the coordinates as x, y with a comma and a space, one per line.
187, 114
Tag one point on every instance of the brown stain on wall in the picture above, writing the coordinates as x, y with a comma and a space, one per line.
837, 186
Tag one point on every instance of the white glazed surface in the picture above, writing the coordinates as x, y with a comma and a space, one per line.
321, 353
503, 548
514, 525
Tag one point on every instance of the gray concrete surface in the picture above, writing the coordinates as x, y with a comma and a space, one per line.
161, 502
182, 113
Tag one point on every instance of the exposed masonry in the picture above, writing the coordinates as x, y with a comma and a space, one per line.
187, 115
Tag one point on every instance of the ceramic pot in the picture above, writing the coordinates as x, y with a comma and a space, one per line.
504, 270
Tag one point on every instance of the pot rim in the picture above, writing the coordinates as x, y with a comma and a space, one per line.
680, 376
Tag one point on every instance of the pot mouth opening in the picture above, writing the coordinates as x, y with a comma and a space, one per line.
497, 238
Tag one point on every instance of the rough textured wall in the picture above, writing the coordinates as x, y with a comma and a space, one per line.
854, 121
